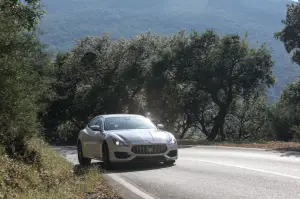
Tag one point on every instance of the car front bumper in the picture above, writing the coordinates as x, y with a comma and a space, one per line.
124, 154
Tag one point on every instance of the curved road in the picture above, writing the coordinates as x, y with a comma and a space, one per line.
211, 173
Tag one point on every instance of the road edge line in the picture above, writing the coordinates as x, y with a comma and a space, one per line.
226, 147
246, 168
132, 187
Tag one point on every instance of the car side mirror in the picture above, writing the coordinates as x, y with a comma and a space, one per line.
95, 128
160, 126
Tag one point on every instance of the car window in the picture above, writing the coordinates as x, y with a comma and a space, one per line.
94, 121
127, 122
99, 122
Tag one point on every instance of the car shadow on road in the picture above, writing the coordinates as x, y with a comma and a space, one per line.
133, 167
185, 146
121, 167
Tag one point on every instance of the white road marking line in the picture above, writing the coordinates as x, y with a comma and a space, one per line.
232, 147
130, 186
242, 167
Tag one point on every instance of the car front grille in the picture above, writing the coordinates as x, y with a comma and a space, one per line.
149, 149
149, 159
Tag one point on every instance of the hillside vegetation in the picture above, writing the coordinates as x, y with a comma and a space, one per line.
67, 20
199, 84
30, 168
50, 176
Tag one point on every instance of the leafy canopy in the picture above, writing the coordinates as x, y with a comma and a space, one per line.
290, 34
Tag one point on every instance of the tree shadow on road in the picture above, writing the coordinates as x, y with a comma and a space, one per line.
288, 152
65, 149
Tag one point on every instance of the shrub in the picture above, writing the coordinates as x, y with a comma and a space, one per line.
48, 176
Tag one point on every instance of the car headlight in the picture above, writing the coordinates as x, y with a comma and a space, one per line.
173, 140
119, 142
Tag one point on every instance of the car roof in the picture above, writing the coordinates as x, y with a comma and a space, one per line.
119, 115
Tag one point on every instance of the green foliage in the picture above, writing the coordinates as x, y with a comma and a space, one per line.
286, 117
213, 71
65, 133
290, 34
44, 179
194, 83
69, 20
99, 75
248, 119
186, 81
20, 14
28, 166
296, 133
23, 65
285, 113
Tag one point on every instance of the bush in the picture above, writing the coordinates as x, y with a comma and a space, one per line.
48, 176
23, 68
285, 115
296, 133
29, 168
248, 119
66, 134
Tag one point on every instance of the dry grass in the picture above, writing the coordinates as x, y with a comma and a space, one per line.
51, 176
276, 145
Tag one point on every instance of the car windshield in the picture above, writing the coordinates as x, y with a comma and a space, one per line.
127, 122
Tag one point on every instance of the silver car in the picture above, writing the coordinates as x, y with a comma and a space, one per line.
117, 138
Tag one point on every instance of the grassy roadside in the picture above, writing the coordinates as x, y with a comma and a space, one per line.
49, 176
275, 145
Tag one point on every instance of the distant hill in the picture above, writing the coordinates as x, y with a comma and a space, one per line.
70, 19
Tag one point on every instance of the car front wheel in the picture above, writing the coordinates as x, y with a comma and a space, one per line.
107, 165
83, 161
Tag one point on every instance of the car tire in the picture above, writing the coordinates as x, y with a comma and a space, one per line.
171, 162
107, 165
83, 161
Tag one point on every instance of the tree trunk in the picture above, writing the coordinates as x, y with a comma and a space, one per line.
76, 123
132, 107
182, 134
240, 133
218, 124
223, 136
186, 126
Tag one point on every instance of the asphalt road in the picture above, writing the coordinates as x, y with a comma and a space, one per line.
211, 173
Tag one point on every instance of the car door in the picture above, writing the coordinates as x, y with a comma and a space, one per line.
89, 143
98, 139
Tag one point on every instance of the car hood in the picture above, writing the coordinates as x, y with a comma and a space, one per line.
142, 136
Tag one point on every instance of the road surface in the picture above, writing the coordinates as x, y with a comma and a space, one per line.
210, 173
